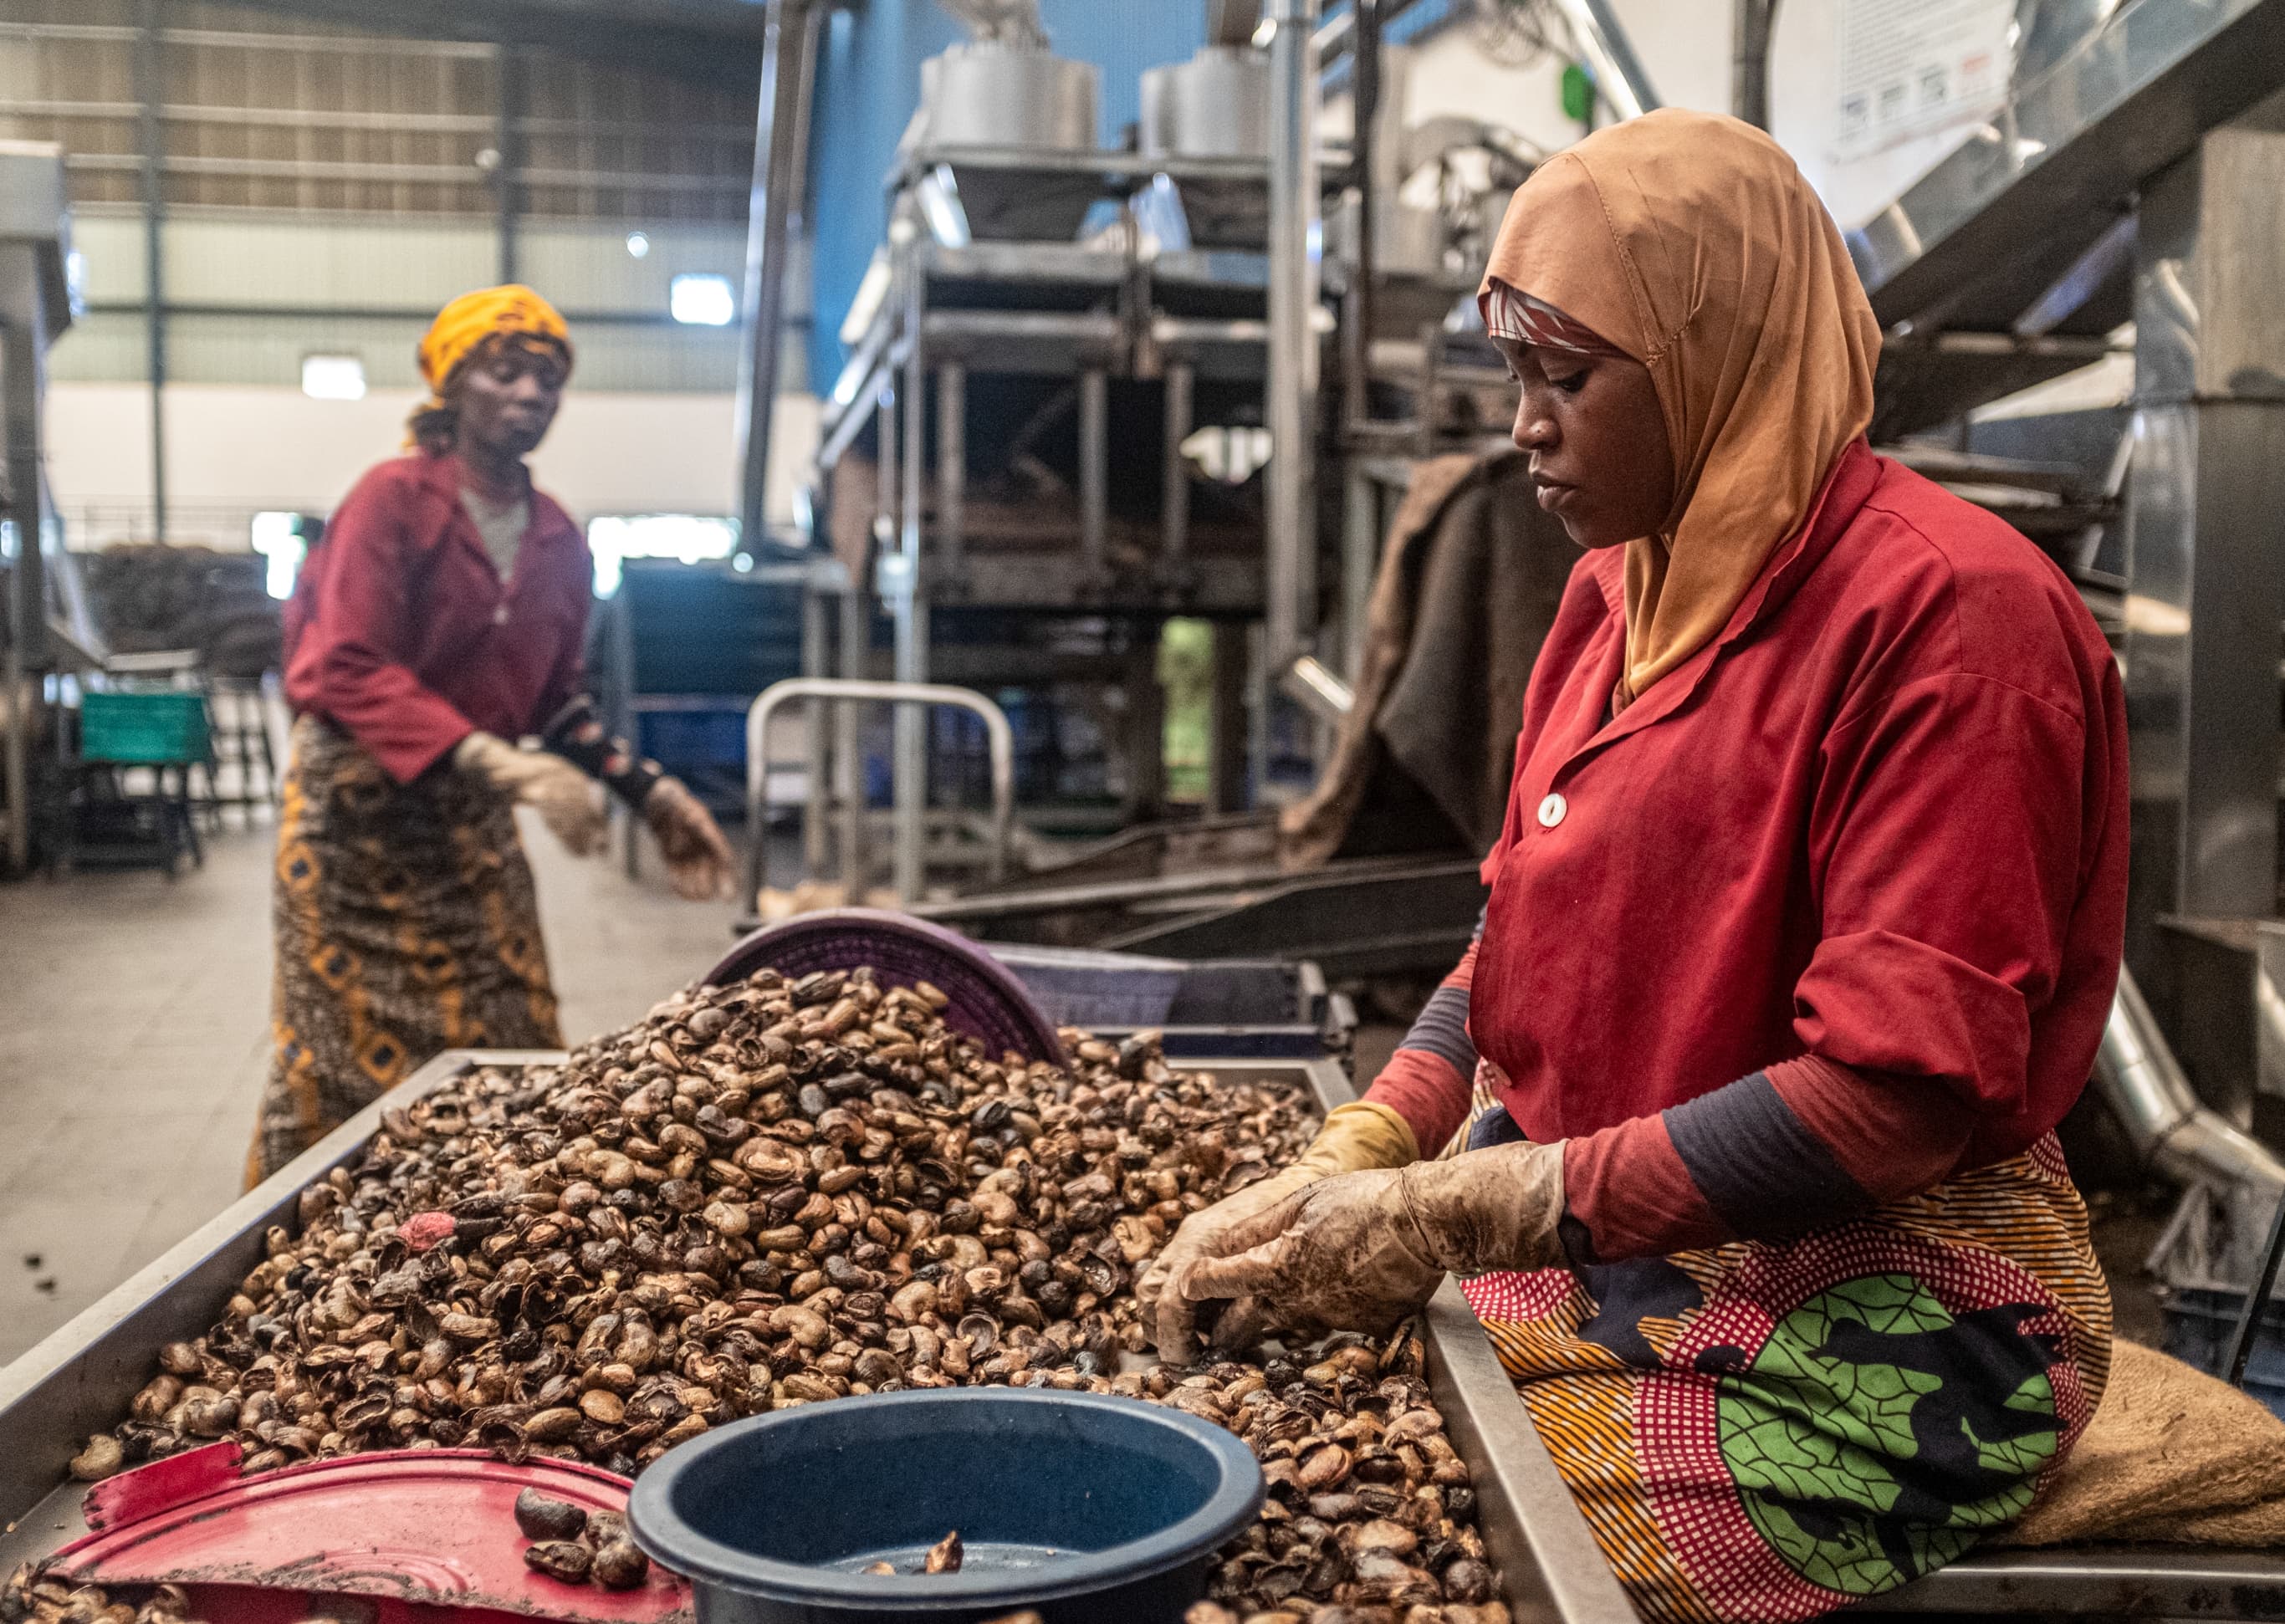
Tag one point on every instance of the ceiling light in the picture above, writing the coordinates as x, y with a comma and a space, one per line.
701, 299
333, 377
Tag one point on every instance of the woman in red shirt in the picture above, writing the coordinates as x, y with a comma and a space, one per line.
1804, 924
441, 620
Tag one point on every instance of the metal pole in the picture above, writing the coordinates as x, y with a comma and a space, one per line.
1292, 405
150, 91
779, 153
814, 809
1093, 469
507, 138
1360, 563
848, 765
951, 462
1610, 57
909, 775
1174, 488
23, 384
1356, 315
1750, 61
1226, 734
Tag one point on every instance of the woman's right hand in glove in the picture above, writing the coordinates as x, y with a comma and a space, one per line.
1356, 1136
566, 799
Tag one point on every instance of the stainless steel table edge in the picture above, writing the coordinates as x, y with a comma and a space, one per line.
79, 1380
1549, 1562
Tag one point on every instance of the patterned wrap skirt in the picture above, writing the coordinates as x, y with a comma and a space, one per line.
406, 924
1770, 1431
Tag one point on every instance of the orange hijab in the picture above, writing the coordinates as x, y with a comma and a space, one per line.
1690, 243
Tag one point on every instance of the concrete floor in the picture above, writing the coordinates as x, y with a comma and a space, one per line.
134, 1020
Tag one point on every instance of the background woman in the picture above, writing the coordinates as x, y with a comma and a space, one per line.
1804, 924
441, 620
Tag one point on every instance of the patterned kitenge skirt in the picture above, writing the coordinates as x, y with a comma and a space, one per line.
1769, 1432
406, 924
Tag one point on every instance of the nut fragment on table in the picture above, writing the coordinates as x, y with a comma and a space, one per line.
565, 1559
542, 1517
945, 1556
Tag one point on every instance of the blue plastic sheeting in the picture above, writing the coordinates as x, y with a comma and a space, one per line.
869, 82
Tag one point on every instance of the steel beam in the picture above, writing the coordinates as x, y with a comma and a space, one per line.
780, 156
1986, 229
150, 92
1291, 620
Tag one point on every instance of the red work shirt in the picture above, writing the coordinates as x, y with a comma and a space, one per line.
401, 631
1880, 820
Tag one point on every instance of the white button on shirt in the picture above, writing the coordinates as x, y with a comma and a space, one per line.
1551, 811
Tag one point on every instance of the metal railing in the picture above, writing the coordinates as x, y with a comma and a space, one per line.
906, 870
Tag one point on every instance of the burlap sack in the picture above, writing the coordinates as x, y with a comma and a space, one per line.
2172, 1456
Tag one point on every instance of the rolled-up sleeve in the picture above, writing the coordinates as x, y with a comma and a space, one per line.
1944, 852
348, 664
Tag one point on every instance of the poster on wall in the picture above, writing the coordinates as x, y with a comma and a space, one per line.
1912, 67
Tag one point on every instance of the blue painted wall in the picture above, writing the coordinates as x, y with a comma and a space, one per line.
869, 82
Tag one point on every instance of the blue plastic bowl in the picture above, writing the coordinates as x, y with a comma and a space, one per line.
1082, 1506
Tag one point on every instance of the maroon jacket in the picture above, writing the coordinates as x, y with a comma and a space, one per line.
1868, 846
401, 632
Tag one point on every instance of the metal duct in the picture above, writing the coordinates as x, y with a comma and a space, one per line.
1610, 57
2179, 1136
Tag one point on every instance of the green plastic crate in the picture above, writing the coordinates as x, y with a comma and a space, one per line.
147, 729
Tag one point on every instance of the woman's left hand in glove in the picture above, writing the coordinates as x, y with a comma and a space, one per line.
1362, 1250
699, 862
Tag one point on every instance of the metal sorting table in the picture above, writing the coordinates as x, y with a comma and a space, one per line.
79, 1381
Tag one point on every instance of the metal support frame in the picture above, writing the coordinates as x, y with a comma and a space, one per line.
909, 771
1609, 56
781, 160
1175, 473
951, 465
150, 90
1095, 469
507, 143
2206, 520
35, 308
1755, 25
908, 697
855, 640
1291, 608
1228, 733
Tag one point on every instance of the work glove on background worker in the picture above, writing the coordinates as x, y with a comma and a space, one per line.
1354, 1236
698, 859
565, 798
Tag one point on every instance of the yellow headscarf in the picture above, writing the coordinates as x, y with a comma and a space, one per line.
1692, 242
473, 317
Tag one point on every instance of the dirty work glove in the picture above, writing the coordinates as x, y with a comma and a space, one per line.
563, 795
698, 859
1356, 1135
1363, 1250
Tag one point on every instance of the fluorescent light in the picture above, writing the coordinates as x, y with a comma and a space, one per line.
638, 244
701, 299
690, 537
333, 377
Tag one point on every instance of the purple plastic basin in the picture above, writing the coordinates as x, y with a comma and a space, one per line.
989, 1002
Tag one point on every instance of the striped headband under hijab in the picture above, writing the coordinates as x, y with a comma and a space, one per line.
1516, 316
